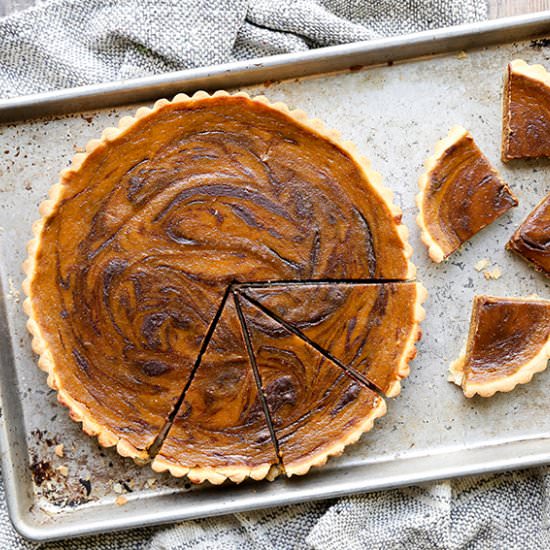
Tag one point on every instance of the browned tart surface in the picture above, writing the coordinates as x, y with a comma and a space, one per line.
509, 341
221, 422
140, 246
526, 112
462, 193
532, 238
352, 322
313, 403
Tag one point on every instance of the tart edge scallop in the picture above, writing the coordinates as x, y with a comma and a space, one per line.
435, 251
523, 375
48, 208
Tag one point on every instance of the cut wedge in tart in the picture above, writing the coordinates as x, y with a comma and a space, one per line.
316, 408
526, 112
460, 194
145, 233
508, 342
531, 240
220, 430
370, 328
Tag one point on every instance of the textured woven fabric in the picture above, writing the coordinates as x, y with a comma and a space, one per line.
73, 42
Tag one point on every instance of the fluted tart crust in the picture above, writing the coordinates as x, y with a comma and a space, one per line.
460, 194
508, 342
145, 232
526, 112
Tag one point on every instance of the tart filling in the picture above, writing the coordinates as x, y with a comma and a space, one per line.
460, 194
532, 238
220, 430
316, 408
508, 342
526, 112
142, 239
370, 329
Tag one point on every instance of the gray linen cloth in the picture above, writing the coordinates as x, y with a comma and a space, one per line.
65, 43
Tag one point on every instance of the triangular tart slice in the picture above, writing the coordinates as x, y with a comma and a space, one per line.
460, 194
532, 238
220, 430
526, 112
370, 328
508, 342
316, 408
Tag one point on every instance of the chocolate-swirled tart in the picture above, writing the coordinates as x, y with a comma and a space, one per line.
508, 342
532, 238
460, 194
146, 231
526, 112
220, 430
316, 408
369, 328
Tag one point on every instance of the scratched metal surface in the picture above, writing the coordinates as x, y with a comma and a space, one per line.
395, 115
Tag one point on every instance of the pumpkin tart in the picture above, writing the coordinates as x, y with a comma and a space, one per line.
532, 238
141, 240
460, 194
316, 408
353, 323
526, 112
508, 342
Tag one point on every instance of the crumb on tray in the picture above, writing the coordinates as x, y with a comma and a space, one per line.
121, 500
493, 274
59, 450
482, 264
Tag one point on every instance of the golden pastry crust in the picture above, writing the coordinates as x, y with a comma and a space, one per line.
456, 133
302, 467
507, 383
48, 209
460, 194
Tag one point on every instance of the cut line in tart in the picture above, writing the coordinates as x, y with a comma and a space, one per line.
531, 240
526, 112
460, 194
369, 328
508, 342
142, 238
220, 430
316, 407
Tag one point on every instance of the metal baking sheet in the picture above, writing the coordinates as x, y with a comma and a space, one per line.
395, 112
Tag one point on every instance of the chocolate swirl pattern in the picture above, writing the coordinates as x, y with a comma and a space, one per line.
460, 194
145, 233
508, 342
316, 408
220, 430
526, 112
354, 323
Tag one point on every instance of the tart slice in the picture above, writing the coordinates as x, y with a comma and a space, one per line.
369, 328
526, 112
220, 430
460, 194
508, 342
316, 408
532, 238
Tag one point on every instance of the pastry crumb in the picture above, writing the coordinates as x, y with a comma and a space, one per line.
121, 500
151, 482
13, 293
461, 55
59, 450
117, 488
63, 470
493, 274
482, 264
